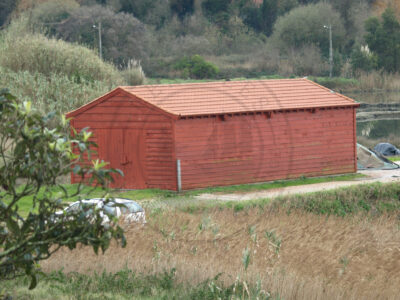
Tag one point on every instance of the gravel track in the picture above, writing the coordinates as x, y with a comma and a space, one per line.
384, 176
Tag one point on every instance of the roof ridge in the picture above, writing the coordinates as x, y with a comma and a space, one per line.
220, 97
332, 91
210, 82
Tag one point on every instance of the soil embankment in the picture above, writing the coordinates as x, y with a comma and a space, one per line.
379, 111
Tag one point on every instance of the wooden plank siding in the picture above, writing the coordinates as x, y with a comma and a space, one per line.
134, 138
255, 148
226, 132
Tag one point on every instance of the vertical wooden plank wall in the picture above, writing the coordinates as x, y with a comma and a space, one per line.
254, 148
124, 112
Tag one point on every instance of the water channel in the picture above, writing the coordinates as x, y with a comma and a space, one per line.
378, 118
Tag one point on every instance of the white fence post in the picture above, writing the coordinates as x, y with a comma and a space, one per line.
179, 174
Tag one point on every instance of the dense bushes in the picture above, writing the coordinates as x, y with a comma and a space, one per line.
49, 13
127, 284
6, 8
182, 7
123, 36
304, 25
383, 38
196, 67
376, 199
362, 59
262, 18
56, 92
56, 75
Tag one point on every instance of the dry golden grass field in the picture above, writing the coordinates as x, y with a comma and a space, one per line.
295, 256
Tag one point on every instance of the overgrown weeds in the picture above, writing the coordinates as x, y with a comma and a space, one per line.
56, 75
375, 199
378, 80
57, 92
127, 284
296, 255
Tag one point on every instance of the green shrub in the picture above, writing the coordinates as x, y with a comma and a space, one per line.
338, 83
373, 198
196, 67
36, 53
128, 284
304, 25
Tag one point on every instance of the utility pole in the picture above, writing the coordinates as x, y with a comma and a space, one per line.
101, 46
330, 50
100, 42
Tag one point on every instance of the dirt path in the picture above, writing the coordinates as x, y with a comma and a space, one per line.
373, 176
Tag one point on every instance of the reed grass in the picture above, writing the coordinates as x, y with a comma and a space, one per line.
57, 92
300, 255
377, 80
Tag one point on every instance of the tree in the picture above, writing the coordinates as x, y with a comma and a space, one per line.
362, 59
304, 25
212, 8
32, 157
383, 39
151, 12
379, 6
139, 9
123, 36
261, 18
49, 14
182, 7
269, 13
6, 8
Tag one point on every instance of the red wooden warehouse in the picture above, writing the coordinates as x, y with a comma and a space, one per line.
220, 133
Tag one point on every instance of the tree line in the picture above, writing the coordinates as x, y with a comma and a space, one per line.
283, 36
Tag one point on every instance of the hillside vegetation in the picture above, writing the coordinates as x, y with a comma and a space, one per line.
50, 49
241, 38
54, 74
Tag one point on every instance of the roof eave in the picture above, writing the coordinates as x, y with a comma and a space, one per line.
355, 105
117, 90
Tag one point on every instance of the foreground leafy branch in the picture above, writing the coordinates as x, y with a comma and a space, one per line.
32, 158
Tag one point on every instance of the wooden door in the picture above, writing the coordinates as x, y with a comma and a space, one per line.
124, 150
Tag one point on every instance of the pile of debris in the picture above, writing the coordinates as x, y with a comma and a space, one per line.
372, 159
387, 149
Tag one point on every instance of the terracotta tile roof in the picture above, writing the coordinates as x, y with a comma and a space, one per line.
238, 96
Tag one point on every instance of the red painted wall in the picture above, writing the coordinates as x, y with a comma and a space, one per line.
255, 148
135, 138
144, 143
